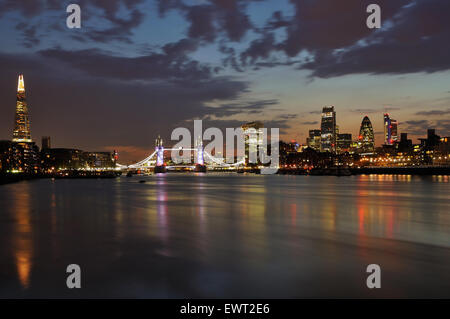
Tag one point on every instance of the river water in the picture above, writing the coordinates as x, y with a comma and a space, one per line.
226, 235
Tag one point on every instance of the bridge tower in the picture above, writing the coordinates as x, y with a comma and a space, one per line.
159, 148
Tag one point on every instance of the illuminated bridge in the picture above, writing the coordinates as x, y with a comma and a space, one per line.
203, 160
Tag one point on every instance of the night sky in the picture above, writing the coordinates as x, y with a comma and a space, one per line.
140, 68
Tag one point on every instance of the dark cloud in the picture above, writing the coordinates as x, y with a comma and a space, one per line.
29, 34
374, 110
420, 127
336, 41
416, 42
366, 111
418, 122
230, 109
434, 112
171, 63
211, 19
310, 123
288, 116
28, 8
93, 12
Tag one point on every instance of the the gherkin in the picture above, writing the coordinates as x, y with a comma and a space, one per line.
366, 140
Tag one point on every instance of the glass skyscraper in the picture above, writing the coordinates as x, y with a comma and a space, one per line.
366, 140
390, 130
328, 130
22, 131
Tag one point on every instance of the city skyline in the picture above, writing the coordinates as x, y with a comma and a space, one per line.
330, 137
116, 83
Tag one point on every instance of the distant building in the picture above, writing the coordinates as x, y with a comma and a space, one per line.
99, 159
314, 140
405, 145
394, 131
19, 157
46, 144
53, 159
344, 143
328, 130
366, 139
253, 138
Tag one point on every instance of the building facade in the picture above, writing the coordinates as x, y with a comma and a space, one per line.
22, 130
328, 130
366, 139
344, 143
390, 130
314, 140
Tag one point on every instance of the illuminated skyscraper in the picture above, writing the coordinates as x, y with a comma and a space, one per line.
366, 140
394, 131
314, 139
22, 131
328, 129
390, 130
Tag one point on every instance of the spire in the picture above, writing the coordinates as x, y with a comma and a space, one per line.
21, 84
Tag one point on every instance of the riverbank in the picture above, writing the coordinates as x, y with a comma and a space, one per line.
14, 178
8, 178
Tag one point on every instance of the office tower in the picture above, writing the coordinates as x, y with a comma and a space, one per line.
387, 129
344, 142
394, 131
432, 139
328, 129
22, 132
253, 138
314, 139
390, 130
405, 145
366, 140
45, 142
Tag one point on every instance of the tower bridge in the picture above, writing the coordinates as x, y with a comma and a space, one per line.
203, 160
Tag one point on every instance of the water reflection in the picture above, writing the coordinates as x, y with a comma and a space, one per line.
22, 238
228, 235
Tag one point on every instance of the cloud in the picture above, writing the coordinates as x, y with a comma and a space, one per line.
102, 20
250, 107
29, 34
212, 18
171, 63
333, 40
310, 123
434, 112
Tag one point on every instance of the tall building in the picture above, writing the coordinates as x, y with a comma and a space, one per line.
328, 130
253, 138
314, 139
22, 131
390, 130
366, 140
344, 143
405, 145
394, 131
46, 144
